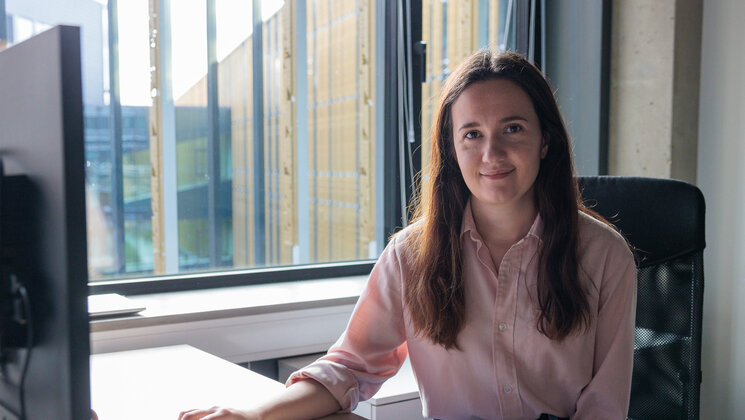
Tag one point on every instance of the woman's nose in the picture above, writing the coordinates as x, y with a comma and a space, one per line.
493, 150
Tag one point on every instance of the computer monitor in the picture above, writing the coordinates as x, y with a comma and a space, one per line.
43, 231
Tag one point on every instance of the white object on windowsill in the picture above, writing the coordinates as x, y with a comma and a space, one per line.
112, 304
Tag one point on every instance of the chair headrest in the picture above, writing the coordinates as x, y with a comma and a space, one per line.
661, 218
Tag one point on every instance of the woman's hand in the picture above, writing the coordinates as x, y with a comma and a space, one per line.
303, 400
220, 413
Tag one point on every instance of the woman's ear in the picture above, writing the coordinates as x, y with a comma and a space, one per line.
544, 146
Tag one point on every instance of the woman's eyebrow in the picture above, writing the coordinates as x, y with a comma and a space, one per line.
513, 118
468, 125
502, 121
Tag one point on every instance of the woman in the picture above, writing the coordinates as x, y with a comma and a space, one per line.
512, 300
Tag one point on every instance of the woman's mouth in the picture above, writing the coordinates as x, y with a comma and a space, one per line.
497, 173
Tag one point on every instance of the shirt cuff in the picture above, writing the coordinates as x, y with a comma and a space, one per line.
336, 378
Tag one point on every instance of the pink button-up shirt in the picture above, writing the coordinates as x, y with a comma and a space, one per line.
506, 369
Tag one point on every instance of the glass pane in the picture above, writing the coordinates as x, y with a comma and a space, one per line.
135, 249
329, 217
189, 76
195, 159
234, 50
340, 129
452, 30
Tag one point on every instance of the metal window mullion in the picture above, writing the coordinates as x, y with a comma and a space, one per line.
272, 119
387, 203
430, 59
213, 139
271, 142
275, 125
246, 119
531, 31
409, 101
543, 36
168, 143
331, 131
276, 96
258, 143
315, 131
605, 71
117, 155
301, 82
269, 145
521, 23
401, 110
416, 74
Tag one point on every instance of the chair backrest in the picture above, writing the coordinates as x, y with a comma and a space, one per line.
663, 220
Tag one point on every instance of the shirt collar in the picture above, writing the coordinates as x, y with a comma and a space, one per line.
469, 225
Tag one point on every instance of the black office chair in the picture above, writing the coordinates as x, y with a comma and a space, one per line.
663, 219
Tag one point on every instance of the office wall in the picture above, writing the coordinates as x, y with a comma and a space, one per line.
654, 88
721, 177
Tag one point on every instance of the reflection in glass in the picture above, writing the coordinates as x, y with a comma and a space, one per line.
287, 119
452, 30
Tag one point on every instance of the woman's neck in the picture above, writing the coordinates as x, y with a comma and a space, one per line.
503, 226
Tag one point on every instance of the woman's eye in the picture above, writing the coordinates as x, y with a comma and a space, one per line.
513, 128
472, 134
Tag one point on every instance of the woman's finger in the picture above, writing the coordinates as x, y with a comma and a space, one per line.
220, 415
217, 413
196, 414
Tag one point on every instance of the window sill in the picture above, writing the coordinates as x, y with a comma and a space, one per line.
237, 323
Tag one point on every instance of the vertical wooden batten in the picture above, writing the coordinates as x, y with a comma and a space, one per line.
164, 201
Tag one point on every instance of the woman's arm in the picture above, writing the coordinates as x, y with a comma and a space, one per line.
302, 400
373, 346
607, 394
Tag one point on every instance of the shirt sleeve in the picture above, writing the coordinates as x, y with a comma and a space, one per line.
607, 394
373, 347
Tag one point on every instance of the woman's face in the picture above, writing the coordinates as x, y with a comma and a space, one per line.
498, 143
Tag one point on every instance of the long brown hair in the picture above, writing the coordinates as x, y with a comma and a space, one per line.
434, 290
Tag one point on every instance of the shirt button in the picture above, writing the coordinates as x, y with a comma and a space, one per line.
507, 389
502, 326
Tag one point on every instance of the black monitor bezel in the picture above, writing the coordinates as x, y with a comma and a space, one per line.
41, 138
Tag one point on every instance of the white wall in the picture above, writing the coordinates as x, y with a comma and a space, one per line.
721, 177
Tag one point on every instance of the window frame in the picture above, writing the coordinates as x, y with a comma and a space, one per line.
230, 278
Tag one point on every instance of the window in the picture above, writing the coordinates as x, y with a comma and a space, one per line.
232, 134
452, 30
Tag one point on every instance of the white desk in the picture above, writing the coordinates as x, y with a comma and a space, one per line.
158, 383
397, 399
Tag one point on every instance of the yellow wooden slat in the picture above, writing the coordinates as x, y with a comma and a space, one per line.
366, 127
156, 149
288, 137
473, 19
